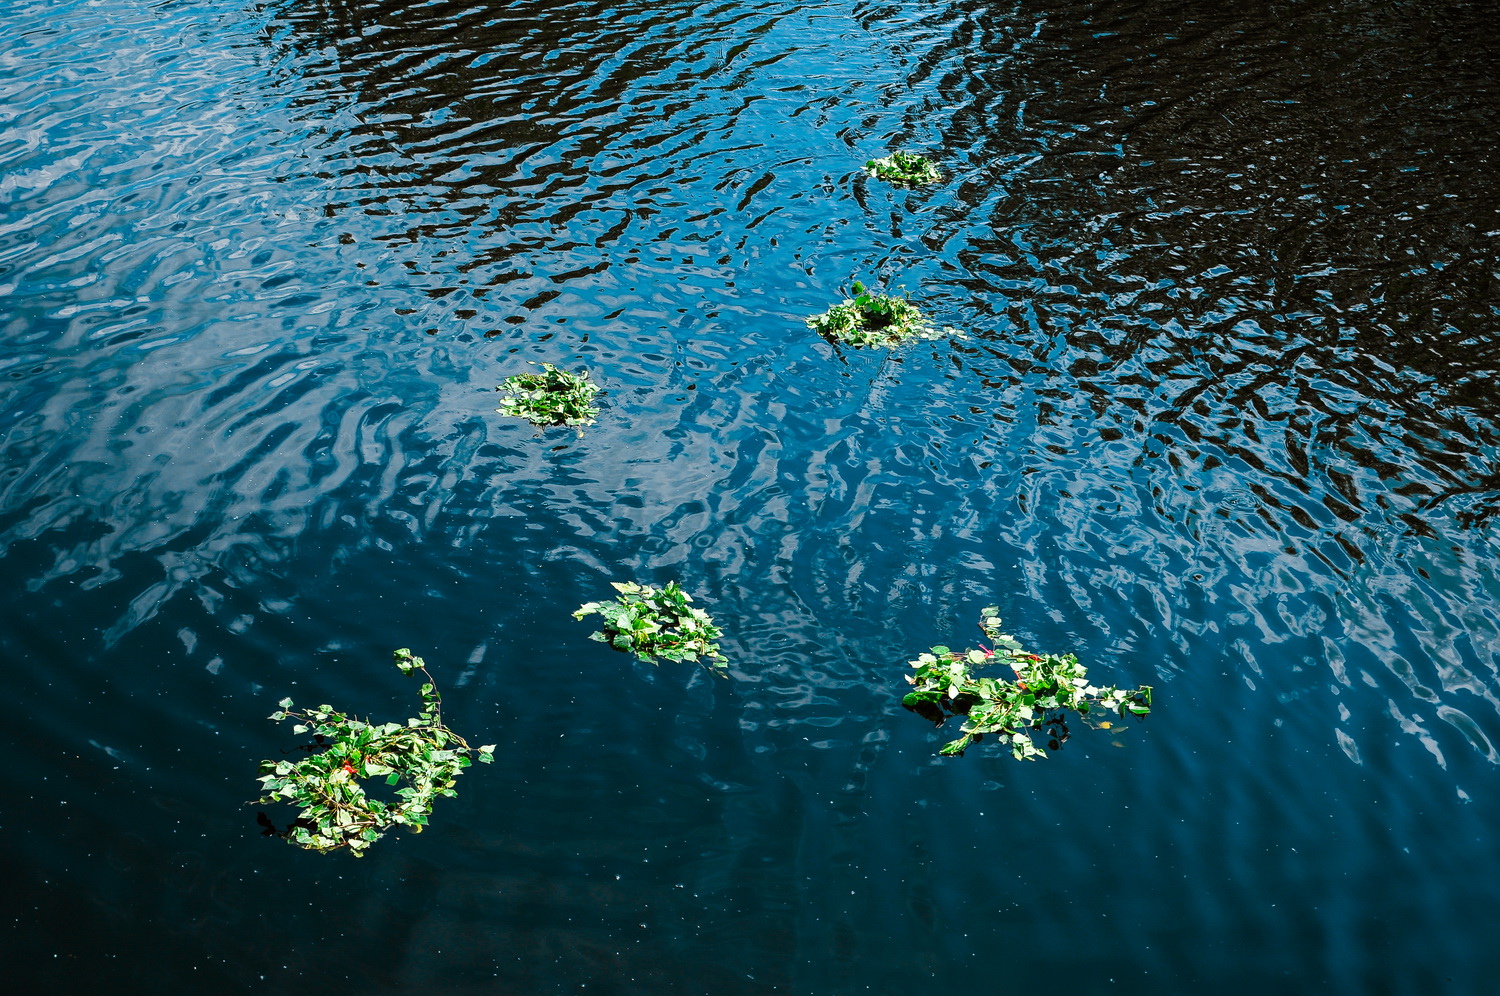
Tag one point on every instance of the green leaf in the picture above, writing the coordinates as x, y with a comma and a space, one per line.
325, 783
906, 169
552, 397
655, 623
872, 320
1046, 687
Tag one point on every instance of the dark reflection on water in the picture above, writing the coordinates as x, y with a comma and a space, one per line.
1219, 420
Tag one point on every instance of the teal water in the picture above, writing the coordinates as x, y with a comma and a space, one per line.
1219, 420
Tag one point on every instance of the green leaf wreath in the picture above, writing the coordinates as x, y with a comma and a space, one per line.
870, 318
656, 622
552, 397
905, 169
336, 812
1046, 688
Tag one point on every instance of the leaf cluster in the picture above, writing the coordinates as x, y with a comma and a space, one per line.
869, 318
1045, 689
336, 812
552, 397
656, 622
906, 169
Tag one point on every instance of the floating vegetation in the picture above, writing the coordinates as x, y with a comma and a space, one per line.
869, 318
905, 169
1046, 688
336, 812
656, 622
552, 397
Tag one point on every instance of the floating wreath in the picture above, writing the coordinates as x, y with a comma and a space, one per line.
1046, 688
656, 622
336, 812
552, 397
868, 318
906, 169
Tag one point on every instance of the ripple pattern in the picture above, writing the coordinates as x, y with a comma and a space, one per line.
1218, 418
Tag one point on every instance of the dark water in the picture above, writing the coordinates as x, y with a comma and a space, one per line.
1222, 421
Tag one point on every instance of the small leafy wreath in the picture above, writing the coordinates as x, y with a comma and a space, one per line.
336, 812
656, 622
869, 318
1046, 688
907, 169
552, 397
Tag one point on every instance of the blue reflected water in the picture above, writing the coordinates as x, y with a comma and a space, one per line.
1218, 419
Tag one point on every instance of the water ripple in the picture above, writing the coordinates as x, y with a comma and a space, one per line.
1218, 419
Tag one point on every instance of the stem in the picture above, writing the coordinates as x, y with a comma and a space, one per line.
433, 697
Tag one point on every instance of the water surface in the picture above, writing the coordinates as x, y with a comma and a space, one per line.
1218, 419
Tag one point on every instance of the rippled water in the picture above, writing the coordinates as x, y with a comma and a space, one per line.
1220, 419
